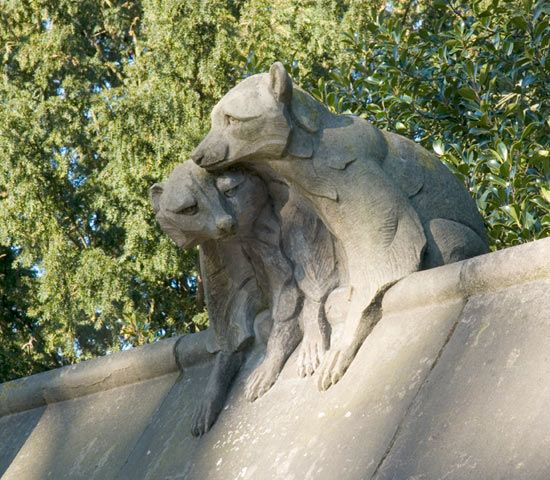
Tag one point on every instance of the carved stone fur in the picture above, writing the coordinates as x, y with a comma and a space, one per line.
392, 206
232, 218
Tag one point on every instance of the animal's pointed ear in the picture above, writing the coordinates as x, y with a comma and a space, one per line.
155, 193
280, 83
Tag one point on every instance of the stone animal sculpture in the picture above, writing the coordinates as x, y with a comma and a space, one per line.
232, 218
392, 206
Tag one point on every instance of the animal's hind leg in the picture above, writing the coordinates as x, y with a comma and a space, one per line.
284, 338
449, 241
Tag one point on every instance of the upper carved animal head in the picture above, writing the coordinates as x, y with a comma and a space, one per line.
193, 205
255, 119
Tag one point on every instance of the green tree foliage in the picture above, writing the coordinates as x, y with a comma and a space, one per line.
22, 342
99, 99
76, 219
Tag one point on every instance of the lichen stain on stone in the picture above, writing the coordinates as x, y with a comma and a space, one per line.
481, 330
512, 358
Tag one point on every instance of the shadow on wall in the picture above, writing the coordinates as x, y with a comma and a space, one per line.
20, 427
87, 437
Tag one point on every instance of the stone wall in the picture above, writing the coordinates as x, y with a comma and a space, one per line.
452, 383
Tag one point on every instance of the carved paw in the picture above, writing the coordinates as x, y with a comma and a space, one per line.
261, 380
205, 416
310, 355
333, 367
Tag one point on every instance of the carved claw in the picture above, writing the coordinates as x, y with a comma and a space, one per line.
333, 367
310, 356
261, 380
204, 417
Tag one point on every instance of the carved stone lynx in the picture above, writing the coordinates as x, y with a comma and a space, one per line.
232, 217
392, 206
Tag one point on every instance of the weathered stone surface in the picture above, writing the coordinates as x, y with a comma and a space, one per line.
92, 376
484, 413
14, 433
88, 437
451, 383
293, 430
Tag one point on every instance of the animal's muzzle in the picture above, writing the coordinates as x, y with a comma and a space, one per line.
225, 224
197, 156
211, 151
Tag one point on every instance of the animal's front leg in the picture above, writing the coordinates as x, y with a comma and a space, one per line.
316, 337
226, 365
282, 342
335, 364
361, 318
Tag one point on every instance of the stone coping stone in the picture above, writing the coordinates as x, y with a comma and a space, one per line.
91, 376
88, 437
451, 383
484, 411
294, 431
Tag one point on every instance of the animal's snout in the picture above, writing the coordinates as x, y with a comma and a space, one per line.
225, 224
197, 156
200, 153
211, 151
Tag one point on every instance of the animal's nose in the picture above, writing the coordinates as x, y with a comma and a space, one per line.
225, 224
197, 156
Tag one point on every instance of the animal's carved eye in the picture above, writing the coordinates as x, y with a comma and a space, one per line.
228, 183
191, 210
229, 120
231, 192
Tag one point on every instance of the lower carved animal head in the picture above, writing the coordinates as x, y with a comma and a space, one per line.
255, 119
193, 205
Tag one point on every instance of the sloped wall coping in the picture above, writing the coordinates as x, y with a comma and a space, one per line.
483, 274
103, 373
479, 275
